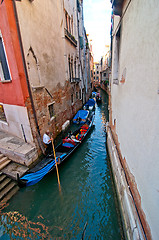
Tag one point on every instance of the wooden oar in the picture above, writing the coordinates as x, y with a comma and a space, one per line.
56, 164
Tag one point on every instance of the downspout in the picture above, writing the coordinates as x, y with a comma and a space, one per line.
27, 78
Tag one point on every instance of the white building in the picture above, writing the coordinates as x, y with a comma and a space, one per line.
134, 112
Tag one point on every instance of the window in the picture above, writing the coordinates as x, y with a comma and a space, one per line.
79, 94
81, 42
2, 114
68, 22
76, 95
75, 67
72, 98
4, 70
51, 110
97, 72
104, 74
70, 62
79, 70
116, 57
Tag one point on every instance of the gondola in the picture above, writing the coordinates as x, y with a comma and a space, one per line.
98, 98
90, 104
63, 152
81, 117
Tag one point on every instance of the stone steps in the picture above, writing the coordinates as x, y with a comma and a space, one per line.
24, 155
8, 175
4, 161
13, 168
2, 176
10, 168
8, 188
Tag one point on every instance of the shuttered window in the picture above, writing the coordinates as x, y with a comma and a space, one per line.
4, 70
51, 110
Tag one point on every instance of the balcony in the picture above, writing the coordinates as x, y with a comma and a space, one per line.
75, 80
71, 38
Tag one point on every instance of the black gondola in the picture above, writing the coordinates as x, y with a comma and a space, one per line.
63, 151
98, 98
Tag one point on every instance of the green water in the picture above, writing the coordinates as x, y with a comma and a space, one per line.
87, 196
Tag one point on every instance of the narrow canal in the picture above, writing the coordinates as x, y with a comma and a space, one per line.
87, 198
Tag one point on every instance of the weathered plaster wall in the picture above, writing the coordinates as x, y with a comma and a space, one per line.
135, 102
42, 31
17, 122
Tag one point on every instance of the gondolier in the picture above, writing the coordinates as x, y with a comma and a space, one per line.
47, 141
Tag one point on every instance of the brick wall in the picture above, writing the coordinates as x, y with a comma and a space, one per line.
63, 109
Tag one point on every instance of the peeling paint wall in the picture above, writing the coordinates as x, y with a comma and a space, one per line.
134, 100
42, 37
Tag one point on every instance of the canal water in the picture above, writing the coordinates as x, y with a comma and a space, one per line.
87, 204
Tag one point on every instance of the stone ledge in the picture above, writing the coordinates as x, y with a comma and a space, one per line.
12, 169
26, 158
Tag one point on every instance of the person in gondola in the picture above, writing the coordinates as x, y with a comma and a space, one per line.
74, 139
69, 134
47, 141
78, 120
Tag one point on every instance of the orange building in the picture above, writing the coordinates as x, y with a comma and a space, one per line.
13, 77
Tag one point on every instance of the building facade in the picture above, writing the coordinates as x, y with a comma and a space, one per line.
42, 69
105, 70
133, 135
97, 75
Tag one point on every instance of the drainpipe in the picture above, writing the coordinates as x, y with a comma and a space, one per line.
27, 78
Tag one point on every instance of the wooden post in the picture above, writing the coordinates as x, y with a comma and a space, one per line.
56, 164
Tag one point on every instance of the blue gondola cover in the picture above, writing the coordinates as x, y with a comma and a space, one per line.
91, 102
82, 114
33, 178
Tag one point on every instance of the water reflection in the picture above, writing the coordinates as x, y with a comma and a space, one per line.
88, 196
15, 225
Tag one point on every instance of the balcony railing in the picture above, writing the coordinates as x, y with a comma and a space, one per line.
71, 38
75, 80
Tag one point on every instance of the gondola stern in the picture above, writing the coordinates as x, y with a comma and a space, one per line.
21, 183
